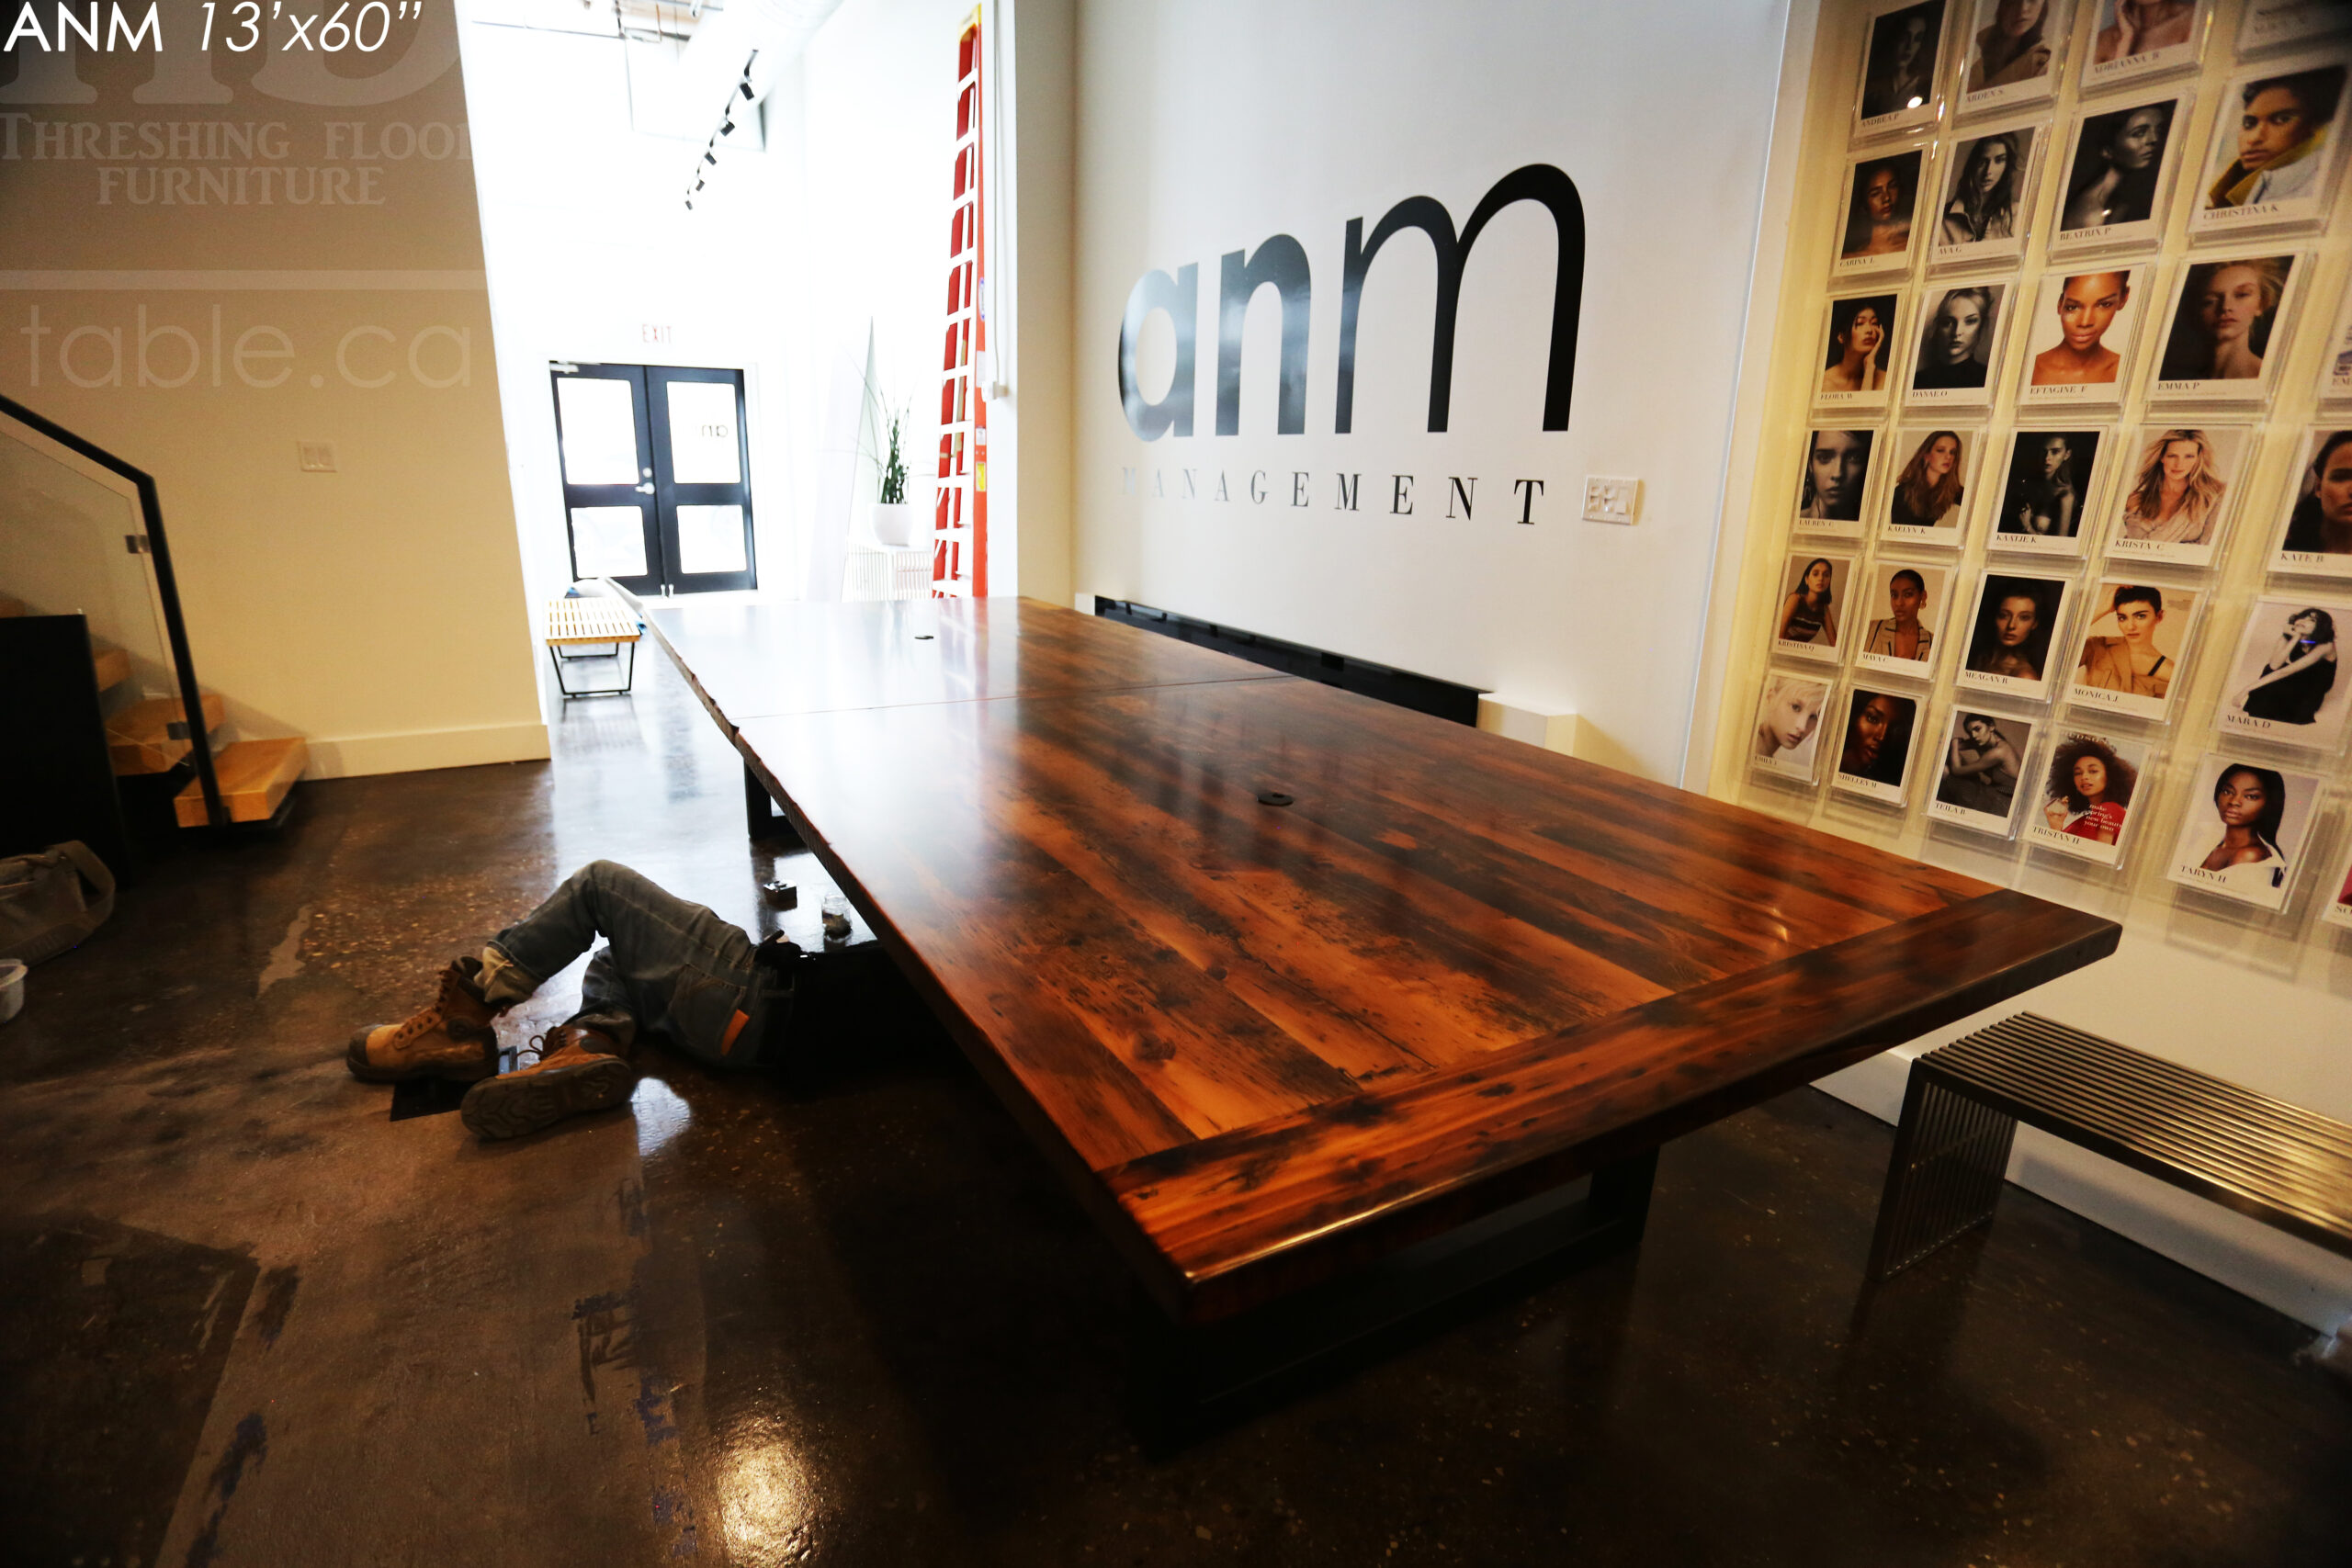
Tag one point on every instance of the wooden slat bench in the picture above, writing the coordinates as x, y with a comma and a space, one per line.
573, 623
2278, 1163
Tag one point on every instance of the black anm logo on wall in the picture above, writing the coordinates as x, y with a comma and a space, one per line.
1281, 263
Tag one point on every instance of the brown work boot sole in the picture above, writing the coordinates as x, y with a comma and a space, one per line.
518, 1103
354, 1056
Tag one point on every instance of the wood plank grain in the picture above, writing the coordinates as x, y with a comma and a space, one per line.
750, 660
1264, 1209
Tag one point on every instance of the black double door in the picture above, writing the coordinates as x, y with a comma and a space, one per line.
657, 476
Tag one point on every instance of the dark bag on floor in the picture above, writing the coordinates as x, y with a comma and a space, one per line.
45, 907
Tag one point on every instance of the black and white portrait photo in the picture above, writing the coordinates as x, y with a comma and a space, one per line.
2287, 683
1881, 207
2012, 633
2013, 48
2247, 828
2224, 316
1837, 472
2047, 490
2116, 173
1874, 757
1899, 66
1925, 499
1987, 196
1959, 343
1859, 341
1979, 765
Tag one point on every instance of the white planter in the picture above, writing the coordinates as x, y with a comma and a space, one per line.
893, 525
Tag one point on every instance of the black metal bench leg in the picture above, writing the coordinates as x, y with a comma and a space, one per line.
1951, 1155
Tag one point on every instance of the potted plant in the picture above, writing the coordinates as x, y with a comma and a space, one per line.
892, 516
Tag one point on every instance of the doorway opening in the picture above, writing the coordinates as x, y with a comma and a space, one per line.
657, 476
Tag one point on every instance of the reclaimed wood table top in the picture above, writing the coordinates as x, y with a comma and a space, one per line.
1269, 1044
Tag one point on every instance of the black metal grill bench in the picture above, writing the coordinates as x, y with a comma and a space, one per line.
2282, 1165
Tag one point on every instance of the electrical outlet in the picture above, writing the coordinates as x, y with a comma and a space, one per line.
314, 456
1610, 500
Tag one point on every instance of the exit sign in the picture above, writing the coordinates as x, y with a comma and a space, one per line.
656, 332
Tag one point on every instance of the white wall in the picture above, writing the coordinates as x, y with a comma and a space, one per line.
377, 610
2264, 1002
1208, 127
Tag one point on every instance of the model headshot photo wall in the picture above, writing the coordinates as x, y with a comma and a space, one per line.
1813, 605
2013, 630
2316, 536
2225, 313
2128, 658
2132, 38
2090, 794
1858, 344
1835, 475
1874, 757
1880, 222
2335, 368
2287, 682
1960, 338
2175, 493
1907, 601
2078, 345
1900, 61
1978, 766
2244, 831
2013, 49
1924, 500
2046, 492
1786, 741
2337, 910
2118, 174
2277, 145
1987, 197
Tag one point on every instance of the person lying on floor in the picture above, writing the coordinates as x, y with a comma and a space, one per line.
669, 967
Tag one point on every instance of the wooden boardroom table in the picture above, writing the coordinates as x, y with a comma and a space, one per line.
1327, 1010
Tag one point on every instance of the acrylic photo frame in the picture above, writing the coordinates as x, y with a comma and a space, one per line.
2223, 337
1958, 334
2047, 487
1976, 778
2314, 536
2015, 639
2226, 847
2134, 639
2287, 682
1878, 743
2115, 184
2082, 334
2096, 786
1918, 592
1834, 477
1804, 625
2125, 47
2285, 23
1984, 192
2335, 907
2276, 149
1881, 212
1928, 486
2336, 365
2176, 490
1856, 369
1791, 713
1900, 84
2007, 61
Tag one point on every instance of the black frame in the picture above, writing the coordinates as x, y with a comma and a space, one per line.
657, 482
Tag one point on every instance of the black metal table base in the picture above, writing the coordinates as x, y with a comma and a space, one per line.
761, 818
1185, 1380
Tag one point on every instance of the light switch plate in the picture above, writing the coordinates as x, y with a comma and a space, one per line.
314, 456
1609, 499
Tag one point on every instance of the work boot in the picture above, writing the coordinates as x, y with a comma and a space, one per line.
579, 1069
452, 1039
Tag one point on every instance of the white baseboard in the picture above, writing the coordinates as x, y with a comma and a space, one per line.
411, 750
2303, 1281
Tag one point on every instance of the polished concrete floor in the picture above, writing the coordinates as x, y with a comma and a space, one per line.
250, 1315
